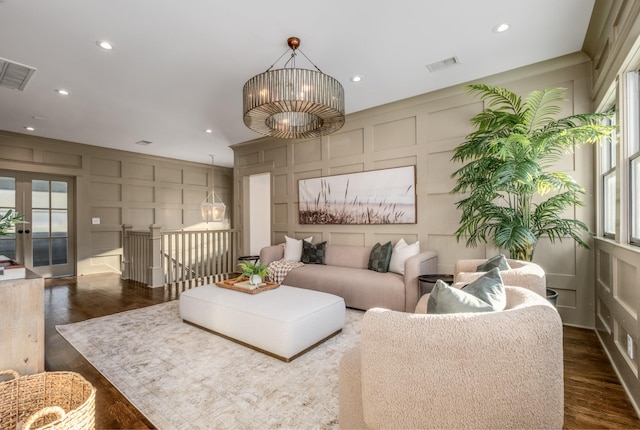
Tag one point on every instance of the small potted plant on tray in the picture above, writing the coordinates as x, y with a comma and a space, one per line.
256, 272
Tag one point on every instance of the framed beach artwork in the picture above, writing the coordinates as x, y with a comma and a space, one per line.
385, 196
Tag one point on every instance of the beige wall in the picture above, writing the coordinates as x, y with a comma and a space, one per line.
423, 131
613, 40
119, 187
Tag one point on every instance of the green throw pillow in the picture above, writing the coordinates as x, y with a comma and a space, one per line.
313, 254
499, 261
380, 257
485, 294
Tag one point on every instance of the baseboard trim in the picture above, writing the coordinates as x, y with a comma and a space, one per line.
615, 369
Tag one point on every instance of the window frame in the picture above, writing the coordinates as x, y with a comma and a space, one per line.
634, 199
608, 157
631, 153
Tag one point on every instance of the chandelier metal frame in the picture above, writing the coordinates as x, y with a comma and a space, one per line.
291, 102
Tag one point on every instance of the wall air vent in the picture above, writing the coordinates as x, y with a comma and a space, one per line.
443, 64
14, 75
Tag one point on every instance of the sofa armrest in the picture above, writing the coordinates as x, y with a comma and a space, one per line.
271, 253
423, 263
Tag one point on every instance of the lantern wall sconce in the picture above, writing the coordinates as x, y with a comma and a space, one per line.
212, 211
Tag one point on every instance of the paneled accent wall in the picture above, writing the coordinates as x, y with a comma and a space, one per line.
617, 299
119, 187
613, 40
422, 132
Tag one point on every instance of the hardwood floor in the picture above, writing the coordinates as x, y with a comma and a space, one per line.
74, 299
594, 397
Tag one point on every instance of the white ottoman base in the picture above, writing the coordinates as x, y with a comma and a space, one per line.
284, 322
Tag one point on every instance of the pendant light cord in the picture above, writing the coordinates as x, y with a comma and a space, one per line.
292, 60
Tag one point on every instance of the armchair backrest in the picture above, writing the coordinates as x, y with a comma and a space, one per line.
523, 274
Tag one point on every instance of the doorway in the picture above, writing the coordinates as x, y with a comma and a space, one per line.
45, 244
259, 200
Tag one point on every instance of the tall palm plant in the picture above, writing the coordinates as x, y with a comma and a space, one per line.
8, 220
511, 196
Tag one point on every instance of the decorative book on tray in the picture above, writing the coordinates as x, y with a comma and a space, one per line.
11, 269
243, 285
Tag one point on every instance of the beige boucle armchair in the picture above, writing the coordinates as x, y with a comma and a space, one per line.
522, 273
469, 370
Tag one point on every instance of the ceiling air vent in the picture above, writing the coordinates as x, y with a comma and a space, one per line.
443, 64
14, 75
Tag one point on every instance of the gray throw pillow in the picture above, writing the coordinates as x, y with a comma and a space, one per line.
485, 294
499, 261
380, 257
313, 254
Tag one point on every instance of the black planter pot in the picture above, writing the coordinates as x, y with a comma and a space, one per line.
552, 296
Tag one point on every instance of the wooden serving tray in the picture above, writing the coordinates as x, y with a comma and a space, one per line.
231, 285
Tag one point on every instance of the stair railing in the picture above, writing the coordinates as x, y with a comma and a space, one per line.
186, 257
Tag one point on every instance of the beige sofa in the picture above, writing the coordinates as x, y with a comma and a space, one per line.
522, 273
469, 370
345, 274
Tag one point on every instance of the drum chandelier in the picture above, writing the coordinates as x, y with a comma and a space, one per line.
293, 103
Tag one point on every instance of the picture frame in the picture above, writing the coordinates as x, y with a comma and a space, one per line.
385, 196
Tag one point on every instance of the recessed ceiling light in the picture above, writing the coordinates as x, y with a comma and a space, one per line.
62, 92
29, 128
208, 130
356, 78
501, 28
105, 45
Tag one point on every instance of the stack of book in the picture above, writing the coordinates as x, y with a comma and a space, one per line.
11, 269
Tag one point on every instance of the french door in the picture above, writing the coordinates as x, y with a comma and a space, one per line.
45, 243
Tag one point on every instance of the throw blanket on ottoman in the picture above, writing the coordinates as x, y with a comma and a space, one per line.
279, 269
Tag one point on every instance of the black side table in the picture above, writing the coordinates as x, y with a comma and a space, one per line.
426, 282
249, 259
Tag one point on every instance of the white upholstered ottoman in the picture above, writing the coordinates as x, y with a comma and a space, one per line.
284, 322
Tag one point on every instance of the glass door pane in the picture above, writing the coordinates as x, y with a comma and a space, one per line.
8, 202
50, 226
45, 243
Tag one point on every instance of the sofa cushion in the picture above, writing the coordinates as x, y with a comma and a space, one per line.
499, 261
380, 257
356, 257
401, 252
360, 288
485, 294
313, 254
293, 248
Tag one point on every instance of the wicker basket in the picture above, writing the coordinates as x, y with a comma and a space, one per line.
48, 400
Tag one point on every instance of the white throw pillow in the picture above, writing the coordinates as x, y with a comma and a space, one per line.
293, 248
401, 252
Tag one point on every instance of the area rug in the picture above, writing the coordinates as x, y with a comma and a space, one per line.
182, 377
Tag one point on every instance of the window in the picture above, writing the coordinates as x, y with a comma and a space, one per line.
632, 158
8, 202
635, 199
608, 169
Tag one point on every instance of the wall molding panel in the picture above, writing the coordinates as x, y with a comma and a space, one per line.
118, 187
422, 131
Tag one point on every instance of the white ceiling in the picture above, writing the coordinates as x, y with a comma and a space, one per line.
178, 67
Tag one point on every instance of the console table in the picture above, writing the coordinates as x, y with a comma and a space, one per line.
22, 324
